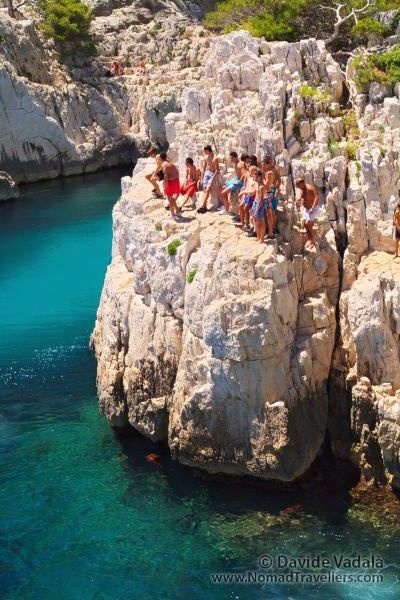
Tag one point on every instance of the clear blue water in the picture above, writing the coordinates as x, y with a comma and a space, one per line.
82, 514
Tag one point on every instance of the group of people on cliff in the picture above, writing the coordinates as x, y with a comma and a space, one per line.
254, 185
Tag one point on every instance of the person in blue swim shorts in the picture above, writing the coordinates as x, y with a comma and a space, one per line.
272, 180
236, 183
246, 197
259, 207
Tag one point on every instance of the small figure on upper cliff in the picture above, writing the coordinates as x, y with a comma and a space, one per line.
189, 188
116, 68
236, 183
272, 179
172, 185
210, 176
157, 175
310, 209
396, 223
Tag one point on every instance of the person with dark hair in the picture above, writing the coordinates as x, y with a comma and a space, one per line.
396, 224
253, 160
309, 200
272, 179
209, 176
259, 207
236, 183
189, 188
171, 183
156, 175
246, 197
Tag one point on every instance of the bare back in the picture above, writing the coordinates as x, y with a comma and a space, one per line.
170, 171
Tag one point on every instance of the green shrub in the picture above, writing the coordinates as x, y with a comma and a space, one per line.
358, 170
380, 68
350, 124
191, 275
158, 227
65, 20
173, 247
369, 28
320, 97
351, 150
332, 148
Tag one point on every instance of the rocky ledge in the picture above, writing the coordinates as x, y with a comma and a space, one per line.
245, 358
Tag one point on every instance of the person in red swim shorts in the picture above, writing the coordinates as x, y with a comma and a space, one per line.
189, 188
172, 186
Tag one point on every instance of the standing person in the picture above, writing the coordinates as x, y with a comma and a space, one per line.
396, 223
247, 196
157, 174
189, 188
236, 183
310, 209
259, 208
171, 183
273, 181
209, 176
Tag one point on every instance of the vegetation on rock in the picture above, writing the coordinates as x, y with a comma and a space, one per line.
285, 20
380, 68
173, 247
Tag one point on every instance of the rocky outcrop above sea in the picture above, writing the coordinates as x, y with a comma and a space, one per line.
63, 115
246, 357
8, 187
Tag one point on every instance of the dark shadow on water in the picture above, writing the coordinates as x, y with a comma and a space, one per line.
324, 496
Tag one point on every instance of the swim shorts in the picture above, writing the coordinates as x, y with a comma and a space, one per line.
172, 187
234, 185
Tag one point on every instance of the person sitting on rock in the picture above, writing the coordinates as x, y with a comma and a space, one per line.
259, 207
172, 186
209, 176
236, 183
396, 223
272, 180
157, 174
189, 188
309, 200
246, 197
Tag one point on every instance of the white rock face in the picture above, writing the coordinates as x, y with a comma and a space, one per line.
57, 120
8, 187
233, 367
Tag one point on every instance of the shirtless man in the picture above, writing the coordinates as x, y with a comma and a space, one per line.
272, 180
209, 176
396, 223
234, 184
189, 188
309, 201
157, 175
171, 183
246, 197
259, 207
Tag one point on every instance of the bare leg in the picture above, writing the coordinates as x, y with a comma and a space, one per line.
226, 199
310, 233
247, 215
172, 205
396, 253
270, 221
261, 230
242, 215
274, 220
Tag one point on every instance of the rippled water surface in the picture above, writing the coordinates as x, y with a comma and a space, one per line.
83, 515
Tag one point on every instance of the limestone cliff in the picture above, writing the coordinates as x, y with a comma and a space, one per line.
229, 350
64, 115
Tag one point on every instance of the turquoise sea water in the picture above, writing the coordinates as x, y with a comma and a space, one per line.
82, 514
